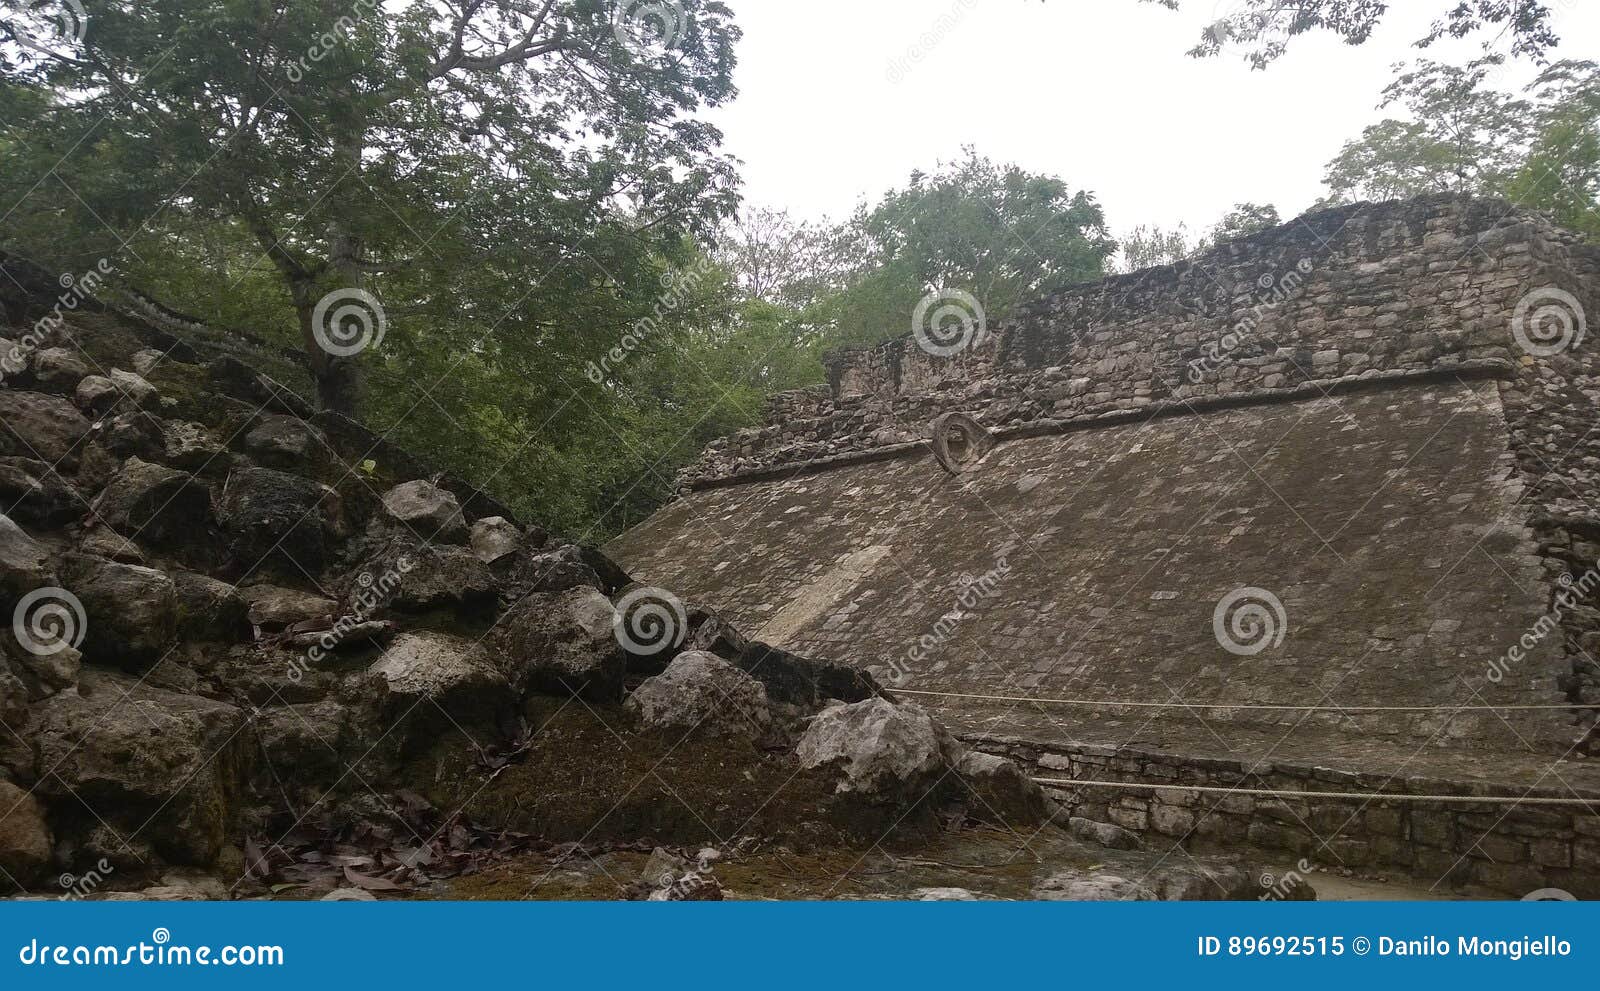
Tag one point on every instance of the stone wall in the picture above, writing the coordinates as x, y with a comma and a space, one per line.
1512, 850
1413, 286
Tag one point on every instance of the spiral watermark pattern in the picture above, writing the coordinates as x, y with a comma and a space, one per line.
646, 26
1550, 895
48, 620
161, 936
949, 322
48, 26
1548, 321
347, 322
650, 621
1248, 621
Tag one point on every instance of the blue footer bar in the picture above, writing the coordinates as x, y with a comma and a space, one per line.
776, 945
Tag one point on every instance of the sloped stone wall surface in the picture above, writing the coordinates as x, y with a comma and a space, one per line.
1376, 428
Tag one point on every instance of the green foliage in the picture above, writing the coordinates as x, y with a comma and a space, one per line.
1462, 135
1147, 245
439, 156
1263, 29
998, 232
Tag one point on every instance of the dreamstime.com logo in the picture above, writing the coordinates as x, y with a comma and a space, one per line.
1248, 621
347, 322
645, 27
1548, 322
48, 26
159, 952
48, 620
948, 322
1550, 895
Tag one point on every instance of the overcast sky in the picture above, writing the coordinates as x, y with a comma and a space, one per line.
841, 99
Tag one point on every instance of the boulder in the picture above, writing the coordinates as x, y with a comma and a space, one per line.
559, 570
191, 447
35, 493
1167, 882
408, 577
998, 791
15, 359
98, 394
702, 692
25, 564
423, 668
46, 428
166, 767
559, 644
875, 749
45, 665
280, 520
274, 609
25, 840
107, 543
160, 505
131, 612
430, 512
289, 443
1106, 834
234, 378
495, 539
209, 609
145, 361
58, 370
132, 435
306, 741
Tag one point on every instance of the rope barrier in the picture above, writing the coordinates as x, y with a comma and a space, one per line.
1108, 703
1365, 796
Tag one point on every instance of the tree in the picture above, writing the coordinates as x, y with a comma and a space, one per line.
1561, 171
1000, 233
1460, 135
414, 151
779, 259
1242, 221
1148, 246
1264, 29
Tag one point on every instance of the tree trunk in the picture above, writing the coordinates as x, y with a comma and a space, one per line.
338, 386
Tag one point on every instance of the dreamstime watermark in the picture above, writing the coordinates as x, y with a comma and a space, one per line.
1282, 887
332, 38
159, 952
47, 26
1572, 594
645, 27
1548, 322
49, 620
77, 887
1249, 620
1550, 895
948, 322
971, 593
1274, 291
677, 287
373, 593
649, 621
77, 290
943, 26
347, 322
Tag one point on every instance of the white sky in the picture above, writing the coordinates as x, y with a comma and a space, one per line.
1099, 92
